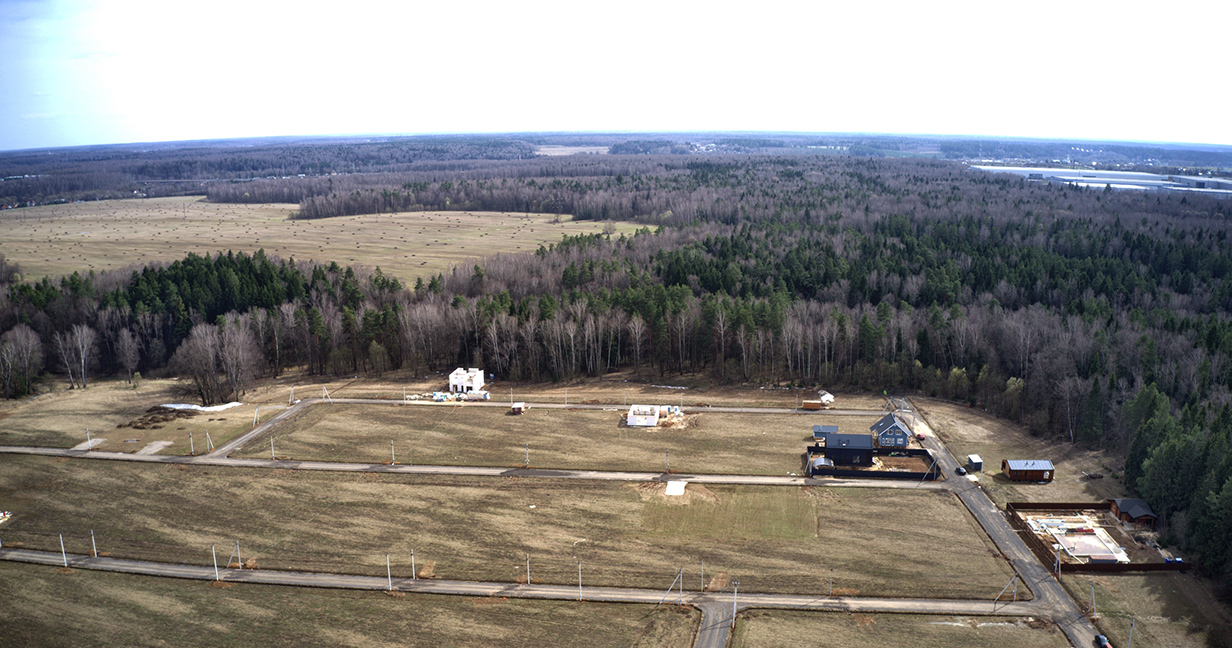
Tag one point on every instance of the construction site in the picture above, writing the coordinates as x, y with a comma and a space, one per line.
1086, 537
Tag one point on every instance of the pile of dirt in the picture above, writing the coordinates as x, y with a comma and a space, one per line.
683, 422
692, 492
717, 583
156, 415
427, 571
251, 563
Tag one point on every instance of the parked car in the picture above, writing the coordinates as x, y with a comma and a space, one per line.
919, 436
1102, 642
961, 470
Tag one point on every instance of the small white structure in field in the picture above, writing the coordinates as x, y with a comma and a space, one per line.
825, 397
643, 416
464, 381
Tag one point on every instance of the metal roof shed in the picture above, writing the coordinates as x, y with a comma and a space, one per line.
1032, 470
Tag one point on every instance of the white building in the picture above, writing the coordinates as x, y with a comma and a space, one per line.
466, 380
643, 416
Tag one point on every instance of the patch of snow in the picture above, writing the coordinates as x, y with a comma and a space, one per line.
86, 445
675, 487
153, 447
212, 408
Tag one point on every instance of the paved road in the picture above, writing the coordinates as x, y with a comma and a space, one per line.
1048, 591
716, 607
473, 471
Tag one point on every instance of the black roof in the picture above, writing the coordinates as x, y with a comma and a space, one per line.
854, 441
1136, 508
888, 421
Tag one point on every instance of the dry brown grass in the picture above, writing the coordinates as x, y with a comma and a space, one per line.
773, 628
715, 442
44, 608
107, 235
1171, 610
770, 539
59, 418
971, 431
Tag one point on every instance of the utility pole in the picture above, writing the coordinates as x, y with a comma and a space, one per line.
831, 594
272, 457
191, 449
1131, 633
528, 455
702, 590
238, 556
93, 545
667, 459
414, 574
735, 593
579, 580
214, 553
392, 459
389, 576
528, 569
62, 553
1094, 615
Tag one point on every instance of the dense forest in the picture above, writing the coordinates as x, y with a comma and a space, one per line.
1096, 317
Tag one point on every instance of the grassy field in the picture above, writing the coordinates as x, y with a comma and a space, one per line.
775, 540
789, 628
44, 606
59, 418
579, 439
970, 431
1170, 610
108, 235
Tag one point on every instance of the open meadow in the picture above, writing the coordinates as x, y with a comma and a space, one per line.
53, 240
46, 606
790, 628
60, 417
1169, 610
970, 431
879, 542
473, 435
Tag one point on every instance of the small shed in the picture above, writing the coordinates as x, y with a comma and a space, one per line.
518, 408
891, 432
975, 462
850, 449
820, 432
1030, 470
643, 416
463, 381
1133, 511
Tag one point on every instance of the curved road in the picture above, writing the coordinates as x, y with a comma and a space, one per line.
1048, 591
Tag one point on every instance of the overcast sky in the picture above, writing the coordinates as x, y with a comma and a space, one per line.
104, 71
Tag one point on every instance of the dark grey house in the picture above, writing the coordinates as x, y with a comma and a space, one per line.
850, 449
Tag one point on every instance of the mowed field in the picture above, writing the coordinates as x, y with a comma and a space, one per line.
789, 629
474, 435
1169, 610
879, 542
56, 240
45, 606
970, 431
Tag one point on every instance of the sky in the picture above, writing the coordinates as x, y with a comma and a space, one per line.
75, 72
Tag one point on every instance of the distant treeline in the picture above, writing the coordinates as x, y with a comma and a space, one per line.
1065, 309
